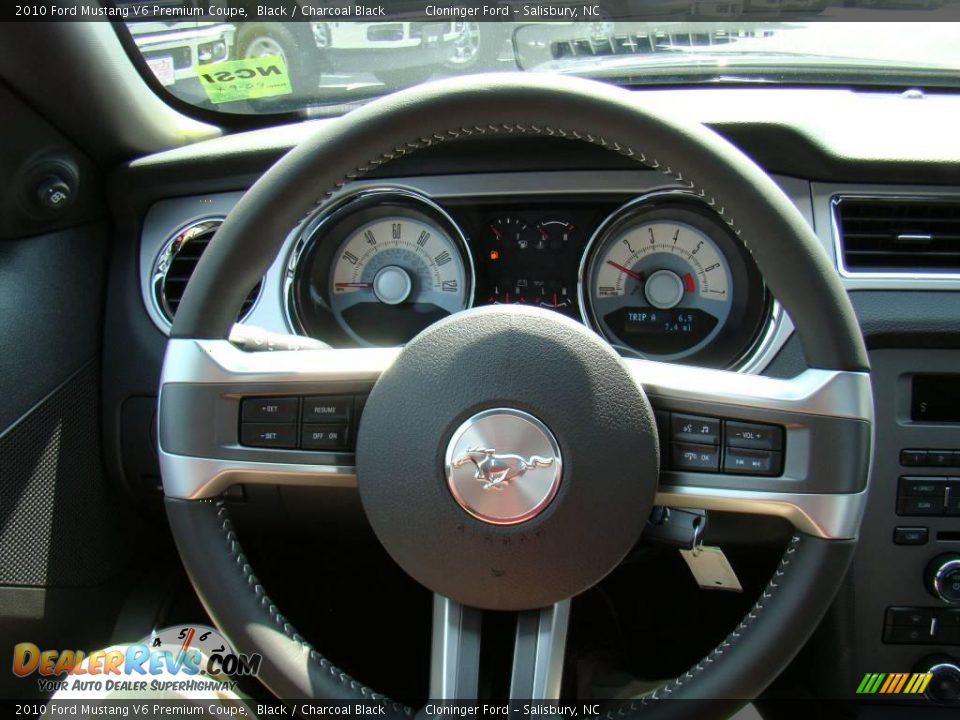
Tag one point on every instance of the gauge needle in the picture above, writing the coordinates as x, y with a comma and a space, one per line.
636, 276
352, 285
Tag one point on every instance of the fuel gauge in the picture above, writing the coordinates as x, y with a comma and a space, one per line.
555, 235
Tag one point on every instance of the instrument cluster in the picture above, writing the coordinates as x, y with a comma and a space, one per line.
660, 276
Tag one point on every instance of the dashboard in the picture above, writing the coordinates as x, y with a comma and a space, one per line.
651, 268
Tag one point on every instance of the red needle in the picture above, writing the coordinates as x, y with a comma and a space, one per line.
555, 303
621, 268
352, 285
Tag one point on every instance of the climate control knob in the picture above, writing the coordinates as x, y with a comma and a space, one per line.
942, 577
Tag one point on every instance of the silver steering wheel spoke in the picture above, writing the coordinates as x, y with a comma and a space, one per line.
202, 385
826, 415
826, 419
539, 646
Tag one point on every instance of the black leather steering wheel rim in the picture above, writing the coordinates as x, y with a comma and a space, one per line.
689, 155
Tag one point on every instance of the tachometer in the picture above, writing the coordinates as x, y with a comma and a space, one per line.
385, 264
664, 278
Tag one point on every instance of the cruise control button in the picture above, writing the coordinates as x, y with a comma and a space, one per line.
754, 436
913, 458
920, 506
324, 437
695, 429
695, 457
922, 487
752, 462
910, 535
268, 435
273, 409
327, 409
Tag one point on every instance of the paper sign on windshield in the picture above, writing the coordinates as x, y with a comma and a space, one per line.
246, 79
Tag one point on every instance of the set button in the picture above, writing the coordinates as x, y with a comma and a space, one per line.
274, 409
269, 435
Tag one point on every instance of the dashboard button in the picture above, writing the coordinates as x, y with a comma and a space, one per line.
922, 487
754, 436
327, 408
939, 458
270, 409
752, 462
913, 458
324, 437
268, 435
695, 429
695, 457
910, 617
906, 635
920, 506
910, 535
953, 505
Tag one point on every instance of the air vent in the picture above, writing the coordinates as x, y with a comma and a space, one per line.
899, 235
176, 264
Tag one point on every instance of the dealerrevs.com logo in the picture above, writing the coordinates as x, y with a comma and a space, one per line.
185, 659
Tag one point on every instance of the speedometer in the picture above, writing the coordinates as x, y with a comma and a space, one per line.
384, 265
664, 278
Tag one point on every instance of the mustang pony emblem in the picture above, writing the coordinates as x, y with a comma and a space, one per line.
496, 471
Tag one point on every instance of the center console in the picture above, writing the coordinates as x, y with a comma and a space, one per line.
907, 570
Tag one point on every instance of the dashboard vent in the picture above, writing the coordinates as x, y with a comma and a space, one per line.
898, 235
176, 263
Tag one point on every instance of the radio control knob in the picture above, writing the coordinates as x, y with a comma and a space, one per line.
943, 577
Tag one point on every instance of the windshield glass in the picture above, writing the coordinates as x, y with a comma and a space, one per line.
304, 56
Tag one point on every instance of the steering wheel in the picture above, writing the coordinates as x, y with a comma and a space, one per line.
459, 404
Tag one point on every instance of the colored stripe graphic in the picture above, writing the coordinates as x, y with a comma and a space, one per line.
894, 683
903, 679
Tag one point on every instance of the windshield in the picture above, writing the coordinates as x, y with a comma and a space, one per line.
319, 58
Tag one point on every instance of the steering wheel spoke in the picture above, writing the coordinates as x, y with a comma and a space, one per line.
539, 645
203, 385
818, 465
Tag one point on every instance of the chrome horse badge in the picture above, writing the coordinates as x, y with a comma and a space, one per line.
497, 471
